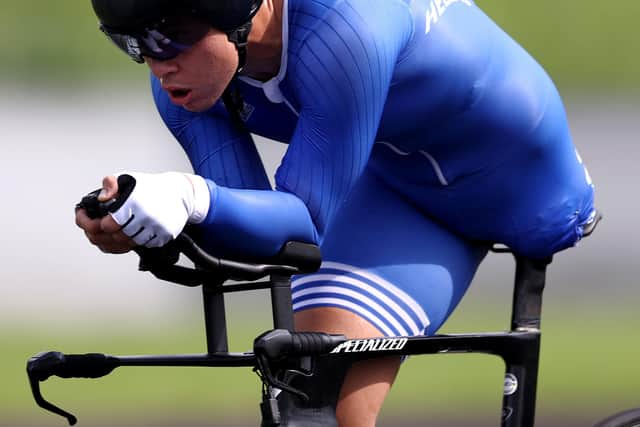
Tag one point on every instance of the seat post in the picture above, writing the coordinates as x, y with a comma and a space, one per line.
522, 357
527, 293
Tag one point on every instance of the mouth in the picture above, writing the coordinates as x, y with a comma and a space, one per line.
179, 96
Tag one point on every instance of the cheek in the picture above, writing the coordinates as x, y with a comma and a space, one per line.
223, 59
211, 65
219, 68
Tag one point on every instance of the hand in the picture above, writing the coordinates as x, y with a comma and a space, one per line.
105, 232
151, 209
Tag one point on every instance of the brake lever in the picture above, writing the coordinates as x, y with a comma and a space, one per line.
43, 365
44, 404
39, 368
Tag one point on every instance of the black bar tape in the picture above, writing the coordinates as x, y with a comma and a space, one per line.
92, 365
311, 343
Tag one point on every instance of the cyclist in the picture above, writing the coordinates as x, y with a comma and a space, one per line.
417, 130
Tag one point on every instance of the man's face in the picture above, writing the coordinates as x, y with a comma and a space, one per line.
196, 78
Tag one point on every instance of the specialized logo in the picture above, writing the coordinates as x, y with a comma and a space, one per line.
374, 344
510, 384
438, 8
506, 413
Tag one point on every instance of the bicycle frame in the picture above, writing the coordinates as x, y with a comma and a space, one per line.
519, 348
282, 351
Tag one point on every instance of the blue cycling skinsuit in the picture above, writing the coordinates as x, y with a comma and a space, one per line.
417, 130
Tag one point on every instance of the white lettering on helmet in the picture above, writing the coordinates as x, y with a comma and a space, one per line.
133, 49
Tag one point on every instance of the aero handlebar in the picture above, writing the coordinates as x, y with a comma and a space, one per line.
293, 258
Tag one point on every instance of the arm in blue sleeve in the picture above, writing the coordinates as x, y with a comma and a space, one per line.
254, 223
215, 148
340, 78
342, 75
246, 217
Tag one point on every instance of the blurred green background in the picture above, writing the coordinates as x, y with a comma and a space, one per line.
584, 45
73, 109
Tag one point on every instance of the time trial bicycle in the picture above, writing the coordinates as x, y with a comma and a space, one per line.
302, 372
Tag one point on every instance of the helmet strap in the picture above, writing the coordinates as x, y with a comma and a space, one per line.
240, 38
233, 102
231, 97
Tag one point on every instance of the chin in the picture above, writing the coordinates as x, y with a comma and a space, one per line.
199, 106
193, 108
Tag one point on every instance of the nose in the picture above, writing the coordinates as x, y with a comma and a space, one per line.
161, 69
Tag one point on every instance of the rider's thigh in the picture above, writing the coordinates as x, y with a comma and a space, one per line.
389, 264
367, 383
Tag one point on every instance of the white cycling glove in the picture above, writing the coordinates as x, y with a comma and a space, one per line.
158, 206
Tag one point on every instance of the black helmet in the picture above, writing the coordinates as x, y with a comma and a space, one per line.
135, 26
128, 15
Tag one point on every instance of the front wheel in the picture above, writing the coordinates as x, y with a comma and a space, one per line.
629, 418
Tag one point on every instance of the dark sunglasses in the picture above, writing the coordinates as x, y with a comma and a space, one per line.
164, 40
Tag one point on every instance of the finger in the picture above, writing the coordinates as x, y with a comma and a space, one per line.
114, 249
111, 243
99, 238
109, 188
96, 239
87, 224
123, 240
109, 225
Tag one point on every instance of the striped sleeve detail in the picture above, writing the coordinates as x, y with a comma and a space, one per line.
387, 307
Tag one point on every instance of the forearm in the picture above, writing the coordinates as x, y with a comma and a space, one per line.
253, 223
